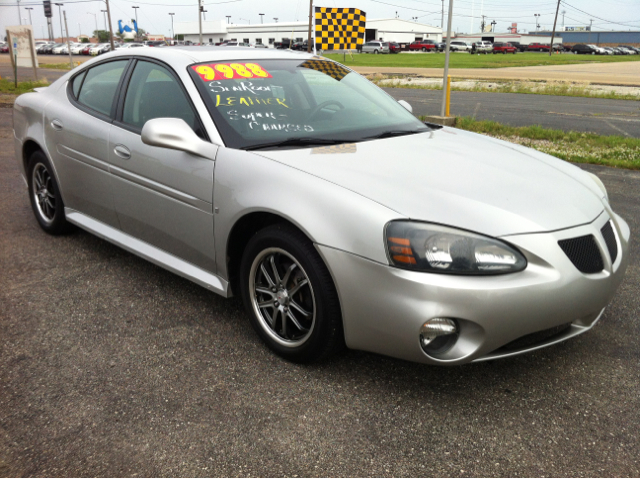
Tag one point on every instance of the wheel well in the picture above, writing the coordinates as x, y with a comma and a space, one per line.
28, 149
241, 233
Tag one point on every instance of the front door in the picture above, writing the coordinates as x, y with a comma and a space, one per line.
162, 196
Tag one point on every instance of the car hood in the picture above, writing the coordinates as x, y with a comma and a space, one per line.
458, 178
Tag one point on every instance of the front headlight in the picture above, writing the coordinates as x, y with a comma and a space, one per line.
440, 249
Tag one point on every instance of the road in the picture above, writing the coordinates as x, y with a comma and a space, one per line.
605, 117
111, 366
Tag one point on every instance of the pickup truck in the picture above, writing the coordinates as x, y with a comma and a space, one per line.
504, 48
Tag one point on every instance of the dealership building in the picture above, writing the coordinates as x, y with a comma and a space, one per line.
388, 30
629, 37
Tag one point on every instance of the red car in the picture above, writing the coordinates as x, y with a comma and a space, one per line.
504, 48
85, 50
4, 48
394, 47
538, 47
424, 45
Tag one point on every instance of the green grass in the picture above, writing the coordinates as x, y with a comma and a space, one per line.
616, 151
466, 60
7, 86
56, 66
537, 88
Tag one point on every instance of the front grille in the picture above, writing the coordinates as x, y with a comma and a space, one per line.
536, 338
610, 238
583, 253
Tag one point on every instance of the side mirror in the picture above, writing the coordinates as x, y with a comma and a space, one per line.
174, 133
406, 105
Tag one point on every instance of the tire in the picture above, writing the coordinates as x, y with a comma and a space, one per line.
424, 49
295, 309
44, 195
375, 52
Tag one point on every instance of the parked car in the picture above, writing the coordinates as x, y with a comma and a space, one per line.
423, 45
627, 50
48, 50
260, 45
283, 44
301, 46
4, 48
156, 43
76, 48
538, 47
376, 47
394, 47
500, 47
582, 49
459, 46
481, 47
235, 44
58, 49
518, 45
470, 248
96, 48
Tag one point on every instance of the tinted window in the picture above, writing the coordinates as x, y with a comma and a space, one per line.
77, 82
100, 84
154, 92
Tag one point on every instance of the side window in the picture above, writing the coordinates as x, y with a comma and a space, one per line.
100, 84
77, 82
154, 92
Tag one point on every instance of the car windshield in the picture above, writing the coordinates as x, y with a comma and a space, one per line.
297, 102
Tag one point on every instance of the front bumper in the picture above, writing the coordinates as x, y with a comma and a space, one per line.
384, 307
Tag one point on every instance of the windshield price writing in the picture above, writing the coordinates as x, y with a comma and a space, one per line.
231, 71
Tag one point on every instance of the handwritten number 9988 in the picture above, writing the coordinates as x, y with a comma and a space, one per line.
246, 70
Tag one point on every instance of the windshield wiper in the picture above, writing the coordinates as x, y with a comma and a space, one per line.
304, 141
392, 133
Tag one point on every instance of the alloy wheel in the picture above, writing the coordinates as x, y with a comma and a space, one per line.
43, 193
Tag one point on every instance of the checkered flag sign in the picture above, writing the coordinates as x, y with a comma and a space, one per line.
339, 28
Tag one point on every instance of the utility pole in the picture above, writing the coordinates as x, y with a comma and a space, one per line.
135, 9
553, 33
261, 15
590, 27
110, 29
95, 17
19, 15
228, 18
29, 8
442, 17
66, 26
563, 12
482, 23
60, 13
200, 8
310, 23
173, 35
446, 61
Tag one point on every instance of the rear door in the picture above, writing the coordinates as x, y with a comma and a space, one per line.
77, 135
162, 196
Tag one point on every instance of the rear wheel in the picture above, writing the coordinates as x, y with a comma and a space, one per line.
375, 51
424, 49
290, 296
45, 197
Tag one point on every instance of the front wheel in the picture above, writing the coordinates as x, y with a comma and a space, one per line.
375, 51
45, 197
424, 49
290, 296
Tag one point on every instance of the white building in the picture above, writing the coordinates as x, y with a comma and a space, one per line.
523, 39
391, 29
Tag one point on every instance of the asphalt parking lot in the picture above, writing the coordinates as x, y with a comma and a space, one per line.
111, 366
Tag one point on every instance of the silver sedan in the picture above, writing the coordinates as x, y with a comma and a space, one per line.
336, 215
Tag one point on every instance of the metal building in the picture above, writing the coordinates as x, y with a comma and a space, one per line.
599, 38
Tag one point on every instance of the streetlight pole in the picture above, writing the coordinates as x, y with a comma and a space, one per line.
60, 13
261, 15
173, 35
29, 8
276, 19
110, 29
136, 10
442, 17
228, 17
105, 19
200, 8
95, 17
19, 16
536, 17
446, 62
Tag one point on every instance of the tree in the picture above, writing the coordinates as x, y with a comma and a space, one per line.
84, 40
101, 35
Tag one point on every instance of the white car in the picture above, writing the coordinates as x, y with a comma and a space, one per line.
76, 48
60, 50
95, 50
459, 46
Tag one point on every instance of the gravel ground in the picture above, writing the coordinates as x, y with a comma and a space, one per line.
110, 366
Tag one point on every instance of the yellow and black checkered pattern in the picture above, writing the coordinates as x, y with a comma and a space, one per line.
327, 67
339, 28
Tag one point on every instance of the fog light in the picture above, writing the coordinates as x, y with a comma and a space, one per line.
438, 335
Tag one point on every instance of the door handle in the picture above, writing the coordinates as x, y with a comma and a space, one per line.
57, 125
122, 151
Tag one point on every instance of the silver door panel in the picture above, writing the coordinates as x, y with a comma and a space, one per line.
164, 197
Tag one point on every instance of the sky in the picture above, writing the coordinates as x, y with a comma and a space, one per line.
153, 15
